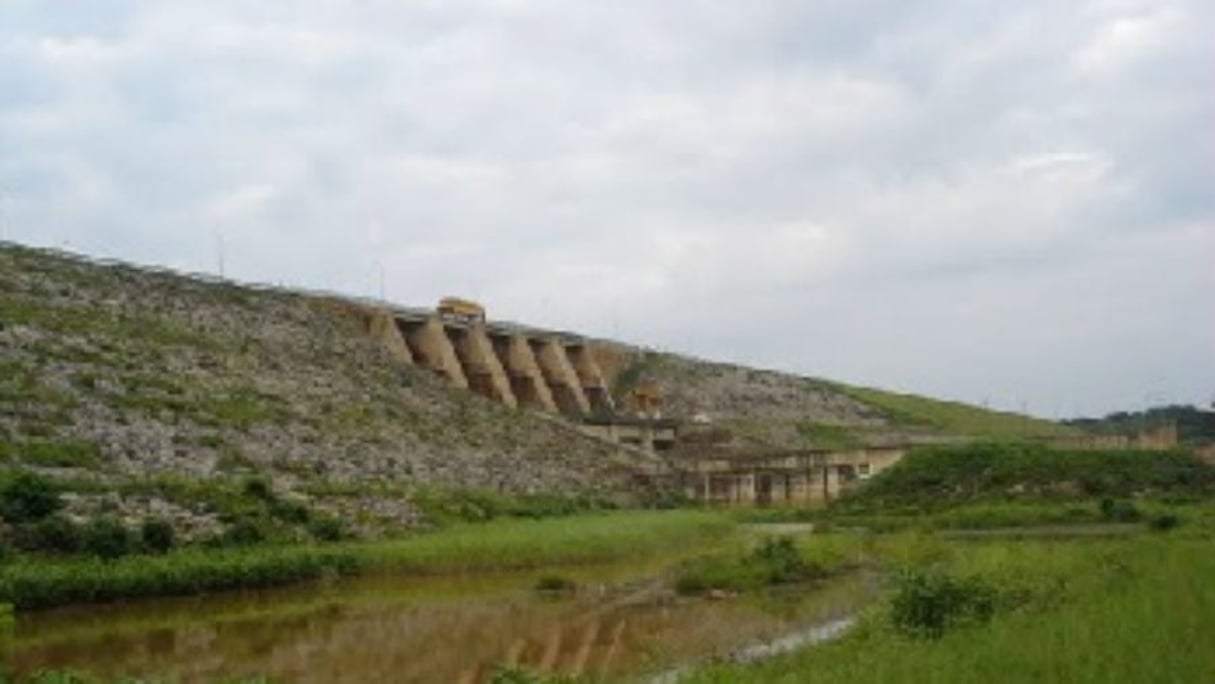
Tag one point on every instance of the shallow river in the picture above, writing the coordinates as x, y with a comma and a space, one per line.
620, 625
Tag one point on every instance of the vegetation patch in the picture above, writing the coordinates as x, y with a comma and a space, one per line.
776, 560
47, 453
1078, 611
40, 581
942, 476
449, 506
952, 417
829, 436
927, 602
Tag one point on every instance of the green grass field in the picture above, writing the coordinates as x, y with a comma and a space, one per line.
506, 544
1138, 609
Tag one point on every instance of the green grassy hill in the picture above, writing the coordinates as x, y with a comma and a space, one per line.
949, 475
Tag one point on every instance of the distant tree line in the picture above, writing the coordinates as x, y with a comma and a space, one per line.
1194, 425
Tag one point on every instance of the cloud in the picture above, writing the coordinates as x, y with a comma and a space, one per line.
1001, 204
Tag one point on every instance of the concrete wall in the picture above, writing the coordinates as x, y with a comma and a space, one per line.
562, 380
431, 348
523, 372
806, 478
591, 379
382, 328
480, 363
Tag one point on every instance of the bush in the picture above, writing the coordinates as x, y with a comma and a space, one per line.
55, 534
1119, 511
326, 528
106, 537
927, 603
27, 497
780, 560
775, 561
259, 488
290, 511
156, 535
1164, 522
245, 532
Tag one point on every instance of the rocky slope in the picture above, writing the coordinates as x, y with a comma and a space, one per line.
113, 377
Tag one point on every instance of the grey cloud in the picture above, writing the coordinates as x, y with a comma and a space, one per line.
983, 202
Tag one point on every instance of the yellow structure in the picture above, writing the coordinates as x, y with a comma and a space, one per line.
463, 309
647, 399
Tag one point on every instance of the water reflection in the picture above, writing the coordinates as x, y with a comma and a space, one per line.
412, 630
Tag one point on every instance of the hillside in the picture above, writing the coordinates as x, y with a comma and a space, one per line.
126, 382
764, 408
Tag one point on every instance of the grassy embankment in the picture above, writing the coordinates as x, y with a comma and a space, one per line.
1137, 606
506, 544
1138, 609
952, 417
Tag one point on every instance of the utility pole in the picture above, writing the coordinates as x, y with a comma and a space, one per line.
379, 265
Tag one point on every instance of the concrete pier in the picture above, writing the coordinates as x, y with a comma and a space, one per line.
430, 346
523, 372
591, 378
480, 364
562, 380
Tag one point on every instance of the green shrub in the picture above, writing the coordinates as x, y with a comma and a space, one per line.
157, 535
27, 497
780, 560
1164, 522
1119, 511
54, 534
106, 537
774, 561
246, 531
291, 512
326, 528
926, 603
259, 488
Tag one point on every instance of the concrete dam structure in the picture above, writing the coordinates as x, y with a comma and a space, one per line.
512, 365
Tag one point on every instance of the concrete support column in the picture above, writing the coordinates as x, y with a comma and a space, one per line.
432, 349
481, 366
523, 371
591, 378
382, 327
831, 482
746, 489
562, 380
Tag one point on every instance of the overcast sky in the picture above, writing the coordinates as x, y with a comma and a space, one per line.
1009, 203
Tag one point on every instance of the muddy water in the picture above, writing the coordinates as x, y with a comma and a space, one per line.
620, 624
